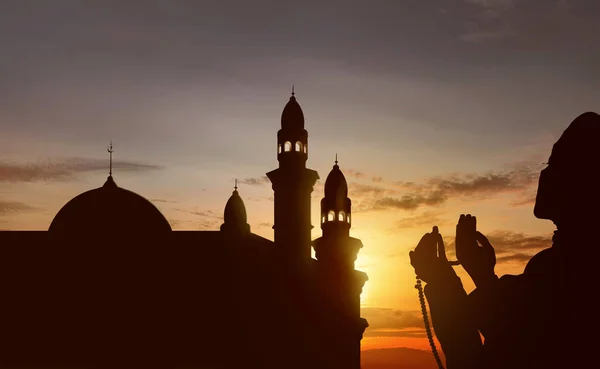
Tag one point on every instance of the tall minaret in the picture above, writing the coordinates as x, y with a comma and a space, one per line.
340, 284
293, 184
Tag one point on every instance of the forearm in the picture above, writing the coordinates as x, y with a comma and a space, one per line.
453, 324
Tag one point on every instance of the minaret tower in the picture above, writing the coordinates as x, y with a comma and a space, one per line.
336, 248
292, 185
340, 284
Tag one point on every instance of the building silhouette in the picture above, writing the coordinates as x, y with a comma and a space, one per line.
110, 284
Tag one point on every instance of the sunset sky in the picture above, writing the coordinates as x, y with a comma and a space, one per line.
434, 107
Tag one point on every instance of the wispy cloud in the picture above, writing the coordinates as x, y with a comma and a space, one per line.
426, 219
513, 242
201, 213
62, 170
351, 173
163, 201
202, 219
255, 181
438, 190
508, 245
11, 207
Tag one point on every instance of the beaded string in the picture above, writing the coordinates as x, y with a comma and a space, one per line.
434, 350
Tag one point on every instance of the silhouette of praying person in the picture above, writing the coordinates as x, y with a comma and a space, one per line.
540, 318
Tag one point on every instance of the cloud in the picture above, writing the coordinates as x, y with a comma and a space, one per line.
255, 181
507, 241
261, 198
409, 202
377, 179
508, 245
11, 207
203, 220
392, 322
438, 190
360, 190
62, 170
163, 201
202, 213
426, 219
354, 174
208, 225
525, 200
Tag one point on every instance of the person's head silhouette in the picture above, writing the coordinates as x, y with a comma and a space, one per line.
568, 189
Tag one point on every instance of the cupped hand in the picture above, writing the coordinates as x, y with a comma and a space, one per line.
474, 251
429, 259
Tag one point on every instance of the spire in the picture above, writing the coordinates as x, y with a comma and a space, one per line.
110, 183
110, 152
293, 91
235, 185
336, 161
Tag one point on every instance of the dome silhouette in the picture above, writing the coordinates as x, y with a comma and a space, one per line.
336, 186
234, 217
235, 210
109, 210
292, 117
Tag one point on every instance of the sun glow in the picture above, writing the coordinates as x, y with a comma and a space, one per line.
362, 264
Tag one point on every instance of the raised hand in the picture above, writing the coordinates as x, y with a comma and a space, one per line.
474, 251
429, 259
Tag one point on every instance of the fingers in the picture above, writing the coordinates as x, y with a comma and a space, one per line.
465, 235
441, 248
427, 247
485, 243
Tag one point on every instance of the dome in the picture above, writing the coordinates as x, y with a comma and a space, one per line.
109, 210
235, 219
292, 116
336, 186
235, 210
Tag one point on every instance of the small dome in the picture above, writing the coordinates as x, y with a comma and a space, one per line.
292, 116
109, 210
336, 186
235, 210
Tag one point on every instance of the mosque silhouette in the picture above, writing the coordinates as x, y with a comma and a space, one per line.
111, 285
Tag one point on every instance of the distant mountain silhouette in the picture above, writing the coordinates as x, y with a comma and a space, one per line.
397, 358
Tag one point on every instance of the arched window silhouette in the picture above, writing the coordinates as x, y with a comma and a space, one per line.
341, 216
323, 218
348, 218
306, 148
279, 149
287, 146
298, 146
331, 216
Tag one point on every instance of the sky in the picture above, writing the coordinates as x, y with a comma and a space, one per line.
434, 108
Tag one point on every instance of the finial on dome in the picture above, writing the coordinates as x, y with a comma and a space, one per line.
235, 185
336, 161
110, 152
293, 90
